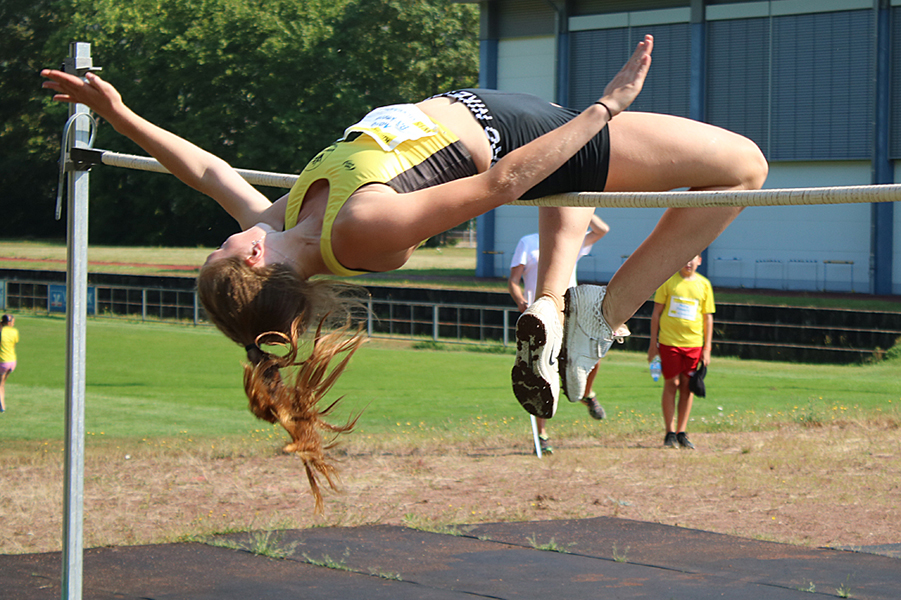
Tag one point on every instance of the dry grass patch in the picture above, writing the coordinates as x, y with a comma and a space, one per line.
821, 486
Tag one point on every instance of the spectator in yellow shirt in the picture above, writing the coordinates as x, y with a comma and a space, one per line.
682, 335
9, 337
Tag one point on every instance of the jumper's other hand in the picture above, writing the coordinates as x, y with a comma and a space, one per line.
626, 85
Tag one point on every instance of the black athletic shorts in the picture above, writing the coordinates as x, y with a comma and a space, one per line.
512, 120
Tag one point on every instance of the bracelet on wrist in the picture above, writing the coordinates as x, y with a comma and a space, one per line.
609, 112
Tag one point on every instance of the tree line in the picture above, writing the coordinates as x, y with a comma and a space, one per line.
264, 84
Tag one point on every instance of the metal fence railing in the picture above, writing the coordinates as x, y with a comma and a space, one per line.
149, 304
461, 323
738, 331
132, 302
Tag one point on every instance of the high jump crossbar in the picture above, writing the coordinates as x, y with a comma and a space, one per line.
681, 199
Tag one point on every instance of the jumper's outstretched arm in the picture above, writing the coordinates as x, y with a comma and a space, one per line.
194, 166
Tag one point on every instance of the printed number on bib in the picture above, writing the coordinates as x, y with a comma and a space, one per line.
683, 308
391, 126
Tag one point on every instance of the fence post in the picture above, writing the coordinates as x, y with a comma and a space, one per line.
506, 322
143, 304
196, 310
435, 322
369, 317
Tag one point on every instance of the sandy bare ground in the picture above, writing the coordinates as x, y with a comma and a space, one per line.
828, 486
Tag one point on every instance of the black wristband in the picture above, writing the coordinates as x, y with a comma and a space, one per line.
609, 112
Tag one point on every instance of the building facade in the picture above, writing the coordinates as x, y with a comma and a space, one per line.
815, 83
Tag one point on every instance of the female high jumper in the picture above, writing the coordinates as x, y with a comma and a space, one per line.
408, 172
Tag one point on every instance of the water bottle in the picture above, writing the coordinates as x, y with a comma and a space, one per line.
655, 369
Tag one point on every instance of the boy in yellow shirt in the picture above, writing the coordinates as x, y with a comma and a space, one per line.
682, 335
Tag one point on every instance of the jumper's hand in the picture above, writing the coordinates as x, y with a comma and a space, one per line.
96, 94
624, 88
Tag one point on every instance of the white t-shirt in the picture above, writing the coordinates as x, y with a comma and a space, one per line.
526, 253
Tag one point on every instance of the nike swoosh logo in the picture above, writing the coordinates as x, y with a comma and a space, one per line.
554, 356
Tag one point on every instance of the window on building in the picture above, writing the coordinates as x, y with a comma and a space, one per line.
597, 55
789, 82
738, 77
895, 133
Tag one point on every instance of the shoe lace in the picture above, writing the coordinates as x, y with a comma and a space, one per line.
602, 330
592, 319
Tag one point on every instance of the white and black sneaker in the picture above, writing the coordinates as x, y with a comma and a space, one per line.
536, 378
587, 337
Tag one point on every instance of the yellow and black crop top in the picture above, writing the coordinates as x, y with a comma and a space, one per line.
395, 145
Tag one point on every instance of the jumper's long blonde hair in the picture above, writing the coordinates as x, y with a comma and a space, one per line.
273, 306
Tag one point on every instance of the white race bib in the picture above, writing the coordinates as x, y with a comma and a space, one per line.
392, 125
683, 308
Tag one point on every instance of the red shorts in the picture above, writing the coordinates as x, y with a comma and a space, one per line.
675, 361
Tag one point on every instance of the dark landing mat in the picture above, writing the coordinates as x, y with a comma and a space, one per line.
196, 572
890, 550
866, 572
591, 558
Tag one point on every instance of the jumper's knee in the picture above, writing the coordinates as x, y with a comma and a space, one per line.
752, 167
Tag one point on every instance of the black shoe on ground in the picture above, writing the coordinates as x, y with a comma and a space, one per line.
683, 441
544, 442
670, 440
594, 408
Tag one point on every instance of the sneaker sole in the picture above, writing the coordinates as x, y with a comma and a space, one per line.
568, 321
564, 356
569, 300
531, 390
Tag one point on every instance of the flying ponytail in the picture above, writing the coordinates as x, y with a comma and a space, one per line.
293, 399
273, 306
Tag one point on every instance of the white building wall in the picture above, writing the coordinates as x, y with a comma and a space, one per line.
799, 247
527, 65
793, 248
782, 247
628, 227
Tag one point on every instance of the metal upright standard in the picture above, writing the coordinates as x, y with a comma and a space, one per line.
77, 133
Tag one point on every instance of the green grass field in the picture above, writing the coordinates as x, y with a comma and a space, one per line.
170, 381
